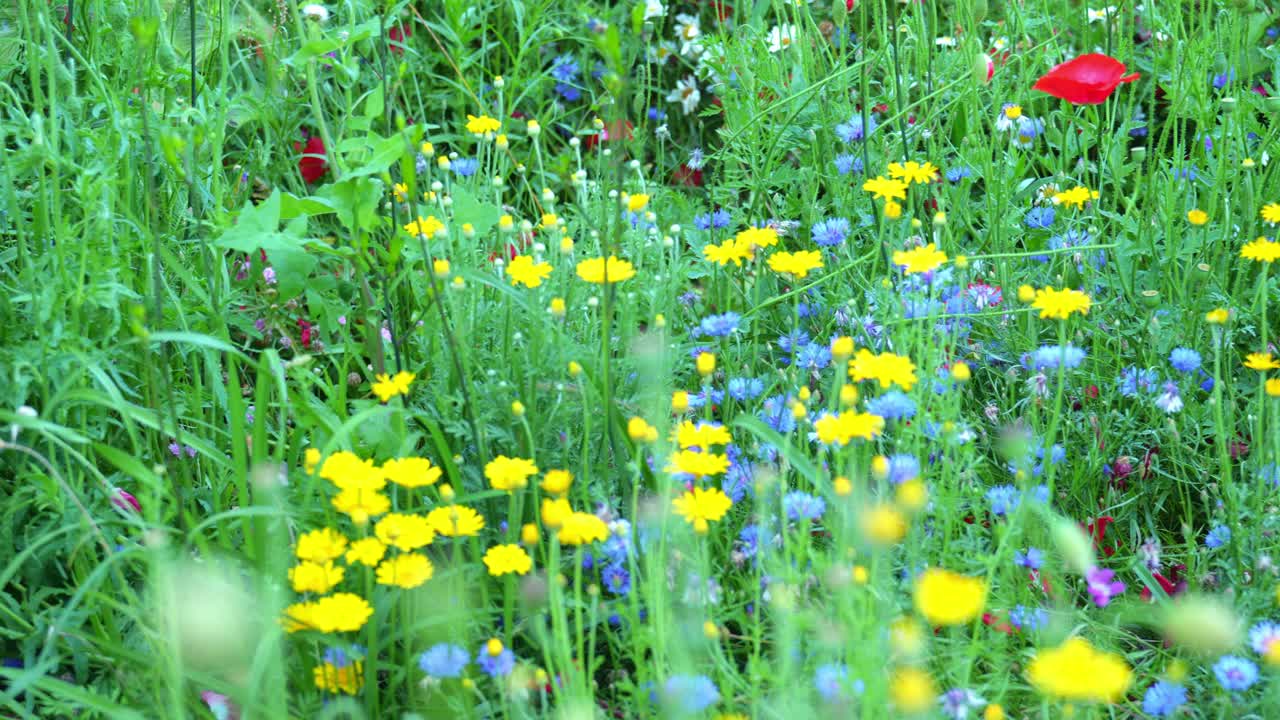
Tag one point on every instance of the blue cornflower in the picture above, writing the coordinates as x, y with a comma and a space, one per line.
776, 413
854, 130
715, 220
830, 233
902, 467
1184, 359
1217, 537
1004, 499
743, 389
738, 480
690, 693
813, 356
1263, 636
444, 660
1235, 673
1025, 618
496, 665
957, 173
1269, 474
749, 541
616, 579
803, 506
722, 325
893, 405
846, 163
656, 114
1133, 381
1220, 80
832, 680
1032, 559
1170, 400
1163, 699
565, 68
1039, 218
1049, 357
1189, 173
465, 167
795, 338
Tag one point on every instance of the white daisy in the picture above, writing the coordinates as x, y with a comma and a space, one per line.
653, 9
781, 37
315, 11
1101, 15
686, 93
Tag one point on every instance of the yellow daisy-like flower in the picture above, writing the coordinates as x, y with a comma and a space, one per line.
796, 264
401, 191
321, 546
360, 505
455, 521
505, 559
729, 251
581, 528
339, 679
1272, 387
1271, 213
886, 368
426, 227
1260, 361
912, 690
947, 598
505, 473
700, 506
882, 524
1077, 672
641, 431
754, 237
411, 472
1197, 217
702, 435
919, 260
886, 188
1060, 304
842, 428
366, 551
557, 482
404, 532
348, 472
698, 464
310, 460
1217, 316
637, 202
340, 612
555, 512
1075, 197
314, 577
600, 271
912, 172
407, 571
482, 125
389, 386
525, 271
1261, 250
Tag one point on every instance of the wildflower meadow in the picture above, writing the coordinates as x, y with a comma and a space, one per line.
724, 359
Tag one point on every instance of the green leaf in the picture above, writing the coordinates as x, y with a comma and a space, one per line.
355, 199
292, 206
467, 209
373, 104
311, 50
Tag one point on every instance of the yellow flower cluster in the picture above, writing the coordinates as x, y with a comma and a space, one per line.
1076, 671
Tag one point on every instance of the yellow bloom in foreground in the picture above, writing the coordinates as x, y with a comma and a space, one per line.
1217, 316
366, 551
555, 512
883, 187
504, 559
729, 251
314, 577
582, 528
340, 612
1077, 672
912, 690
702, 435
797, 264
405, 571
701, 505
886, 368
754, 237
698, 464
641, 431
425, 227
404, 532
334, 679
411, 472
525, 271
557, 482
321, 546
1272, 387
994, 711
1060, 304
1271, 213
637, 202
360, 505
913, 172
1260, 361
947, 598
505, 473
481, 125
387, 386
1197, 217
1075, 197
348, 472
841, 428
310, 460
892, 209
882, 524
1261, 250
455, 521
920, 259
600, 271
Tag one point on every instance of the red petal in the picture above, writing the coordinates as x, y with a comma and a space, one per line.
312, 164
1086, 80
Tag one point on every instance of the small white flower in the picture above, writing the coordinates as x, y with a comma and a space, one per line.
781, 37
661, 52
315, 11
945, 41
653, 9
689, 33
1101, 15
1000, 44
686, 93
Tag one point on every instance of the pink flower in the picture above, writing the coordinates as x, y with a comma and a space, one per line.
1102, 586
124, 501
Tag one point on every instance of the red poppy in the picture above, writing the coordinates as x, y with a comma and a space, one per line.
1097, 530
613, 130
994, 622
312, 164
685, 175
397, 35
1086, 80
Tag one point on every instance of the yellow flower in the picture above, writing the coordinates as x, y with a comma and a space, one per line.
1077, 672
702, 435
334, 679
1217, 316
321, 546
401, 191
1197, 217
549, 219
912, 495
582, 528
557, 482
706, 363
919, 260
912, 690
883, 187
754, 237
411, 472
441, 267
405, 532
842, 486
405, 571
993, 712
481, 125
730, 251
841, 428
504, 559
1261, 250
797, 264
525, 271
340, 612
1013, 112
637, 202
310, 460
557, 307
906, 638
455, 521
348, 472
1060, 304
700, 505
1075, 197
641, 431
388, 386
1271, 213
314, 577
842, 348
1272, 387
698, 464
892, 210
947, 598
1260, 361
555, 512
679, 401
600, 271
425, 227
912, 172
505, 473
886, 368
360, 505
529, 534
882, 524
366, 551
517, 408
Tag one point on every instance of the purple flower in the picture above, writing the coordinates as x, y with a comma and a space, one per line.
958, 702
1032, 559
1102, 585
